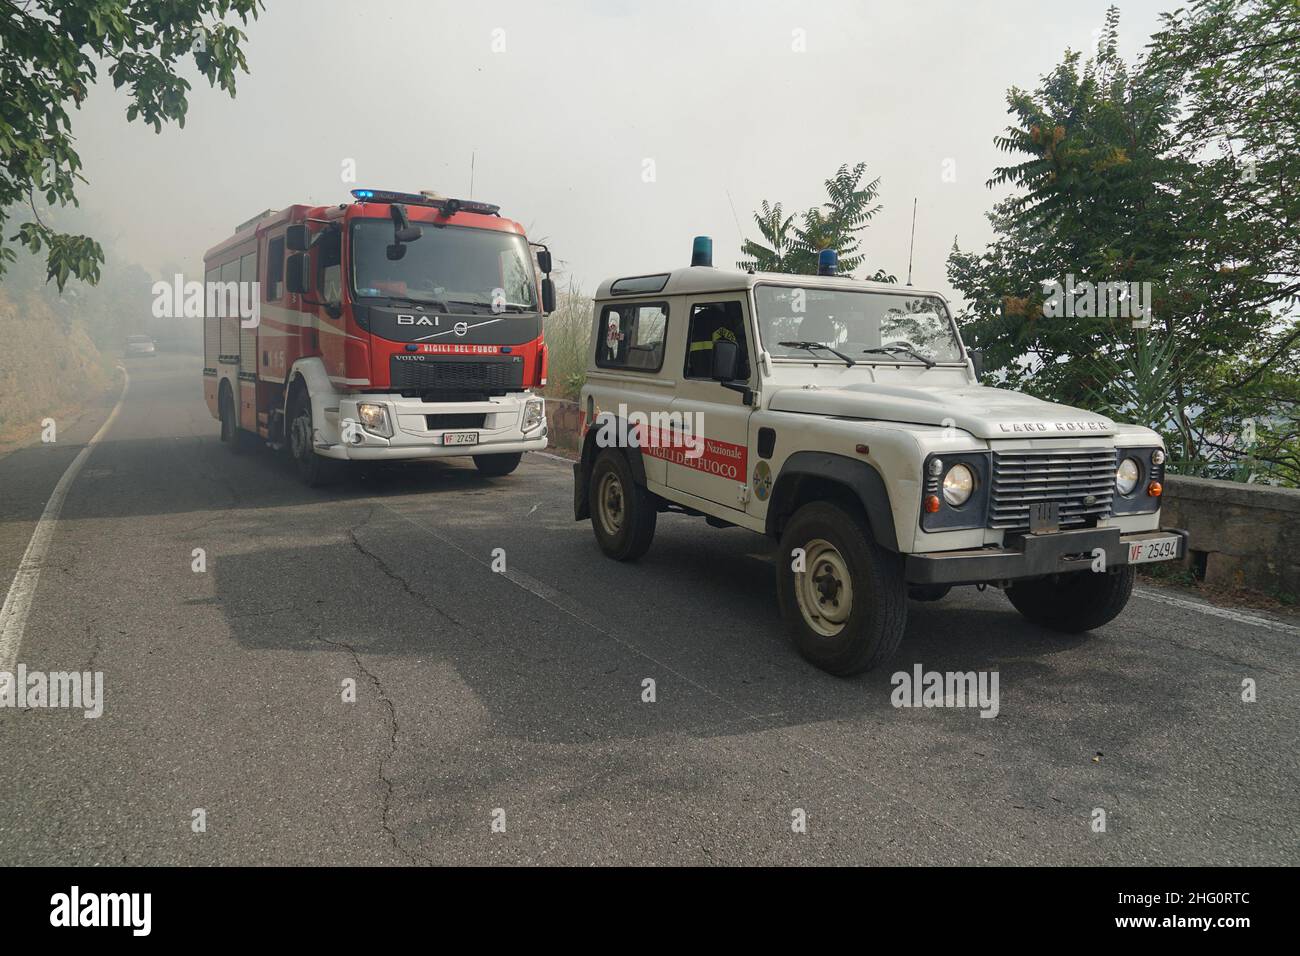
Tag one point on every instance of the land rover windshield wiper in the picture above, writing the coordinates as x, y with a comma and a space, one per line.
903, 349
810, 346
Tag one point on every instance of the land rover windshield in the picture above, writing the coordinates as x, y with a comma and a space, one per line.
868, 326
460, 268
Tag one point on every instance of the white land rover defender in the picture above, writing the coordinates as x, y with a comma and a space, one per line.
844, 420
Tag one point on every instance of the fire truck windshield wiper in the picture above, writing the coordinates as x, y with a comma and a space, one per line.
411, 300
904, 349
809, 346
487, 306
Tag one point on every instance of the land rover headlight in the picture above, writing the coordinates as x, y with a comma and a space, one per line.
374, 418
534, 414
1127, 475
958, 484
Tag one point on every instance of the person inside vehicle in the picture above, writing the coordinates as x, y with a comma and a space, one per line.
722, 321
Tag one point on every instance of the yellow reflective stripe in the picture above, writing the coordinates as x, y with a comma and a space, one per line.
701, 346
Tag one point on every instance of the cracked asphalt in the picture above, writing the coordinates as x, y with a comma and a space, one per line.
517, 696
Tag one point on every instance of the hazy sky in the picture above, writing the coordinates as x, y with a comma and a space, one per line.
563, 120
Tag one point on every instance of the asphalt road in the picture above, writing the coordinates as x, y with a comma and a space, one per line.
521, 692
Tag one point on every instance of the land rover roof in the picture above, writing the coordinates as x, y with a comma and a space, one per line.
695, 280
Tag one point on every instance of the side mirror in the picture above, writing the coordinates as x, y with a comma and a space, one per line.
544, 260
726, 359
548, 295
977, 362
297, 273
297, 238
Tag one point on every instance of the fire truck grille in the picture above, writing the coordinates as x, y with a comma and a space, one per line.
1082, 481
437, 373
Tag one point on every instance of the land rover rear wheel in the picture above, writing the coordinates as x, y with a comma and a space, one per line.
622, 512
1076, 602
843, 596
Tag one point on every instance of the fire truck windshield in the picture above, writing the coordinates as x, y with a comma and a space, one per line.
453, 266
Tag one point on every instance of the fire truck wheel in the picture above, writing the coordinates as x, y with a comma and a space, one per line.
1074, 603
623, 513
230, 433
928, 592
497, 466
313, 469
843, 596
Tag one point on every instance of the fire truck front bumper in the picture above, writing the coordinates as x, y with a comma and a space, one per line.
391, 427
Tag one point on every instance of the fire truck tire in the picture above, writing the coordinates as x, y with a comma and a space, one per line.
497, 466
843, 596
928, 592
1076, 602
312, 468
235, 439
623, 513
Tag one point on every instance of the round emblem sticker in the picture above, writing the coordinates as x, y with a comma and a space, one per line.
762, 481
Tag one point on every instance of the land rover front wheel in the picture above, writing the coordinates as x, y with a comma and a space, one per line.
843, 596
1076, 602
622, 512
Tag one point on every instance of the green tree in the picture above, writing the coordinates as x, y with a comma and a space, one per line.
50, 55
1113, 184
836, 224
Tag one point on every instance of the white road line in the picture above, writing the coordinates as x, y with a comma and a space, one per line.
1227, 614
13, 617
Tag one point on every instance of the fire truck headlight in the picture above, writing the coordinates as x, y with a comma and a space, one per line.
534, 414
375, 419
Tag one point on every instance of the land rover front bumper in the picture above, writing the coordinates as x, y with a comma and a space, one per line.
1039, 555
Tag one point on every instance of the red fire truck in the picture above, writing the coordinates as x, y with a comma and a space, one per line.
397, 326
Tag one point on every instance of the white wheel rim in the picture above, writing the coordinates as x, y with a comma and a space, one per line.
824, 589
611, 503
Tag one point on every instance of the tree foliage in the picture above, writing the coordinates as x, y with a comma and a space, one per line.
837, 224
51, 53
1179, 171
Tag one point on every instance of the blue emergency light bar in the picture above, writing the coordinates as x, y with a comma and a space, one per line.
449, 206
828, 262
702, 251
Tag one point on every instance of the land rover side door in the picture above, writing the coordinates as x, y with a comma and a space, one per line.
714, 416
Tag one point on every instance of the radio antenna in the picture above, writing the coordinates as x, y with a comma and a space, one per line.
912, 245
471, 174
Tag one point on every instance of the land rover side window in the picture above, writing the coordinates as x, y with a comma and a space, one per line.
274, 269
711, 322
631, 335
860, 324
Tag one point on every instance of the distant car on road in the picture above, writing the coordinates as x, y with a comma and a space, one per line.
140, 345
